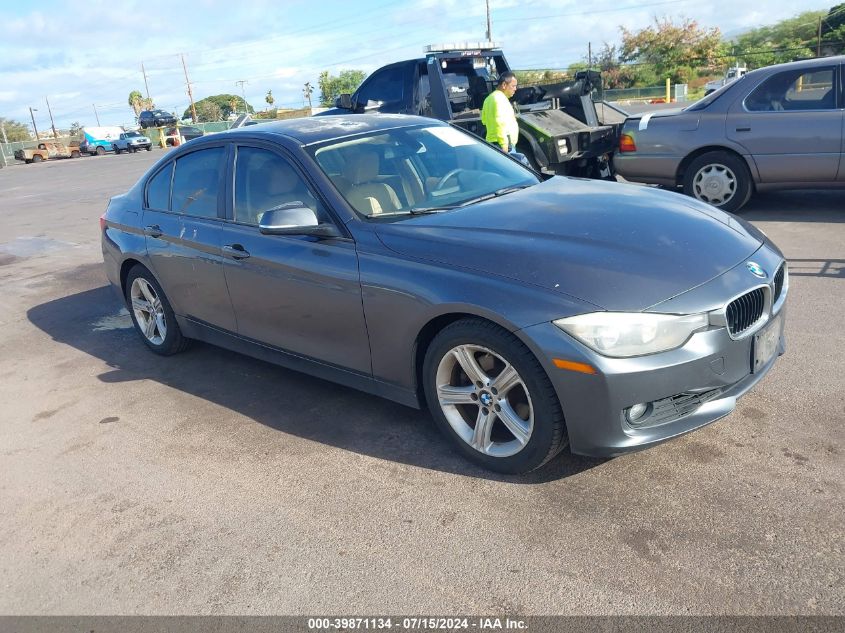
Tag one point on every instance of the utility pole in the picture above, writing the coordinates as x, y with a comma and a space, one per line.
31, 110
190, 94
307, 90
819, 47
52, 124
590, 55
243, 94
95, 113
489, 26
146, 85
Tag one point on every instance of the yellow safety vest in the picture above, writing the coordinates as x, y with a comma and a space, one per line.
498, 118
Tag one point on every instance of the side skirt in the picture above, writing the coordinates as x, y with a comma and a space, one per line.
362, 382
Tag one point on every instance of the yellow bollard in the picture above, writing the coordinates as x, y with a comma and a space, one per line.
668, 90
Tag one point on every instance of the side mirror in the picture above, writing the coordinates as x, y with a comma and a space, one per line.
294, 218
344, 101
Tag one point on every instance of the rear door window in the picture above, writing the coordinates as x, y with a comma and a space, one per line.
196, 182
795, 90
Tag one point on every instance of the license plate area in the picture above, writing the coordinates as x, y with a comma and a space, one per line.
766, 344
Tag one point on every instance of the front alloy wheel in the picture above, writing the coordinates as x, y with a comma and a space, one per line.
489, 394
485, 400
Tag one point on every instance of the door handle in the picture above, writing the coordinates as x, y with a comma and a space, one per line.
743, 129
153, 230
235, 251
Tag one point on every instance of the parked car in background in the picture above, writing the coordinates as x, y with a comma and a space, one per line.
46, 151
779, 127
731, 74
131, 142
155, 118
410, 259
186, 132
98, 140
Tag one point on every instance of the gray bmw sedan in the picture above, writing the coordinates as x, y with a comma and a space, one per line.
406, 258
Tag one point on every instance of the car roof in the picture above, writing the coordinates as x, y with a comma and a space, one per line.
310, 130
806, 63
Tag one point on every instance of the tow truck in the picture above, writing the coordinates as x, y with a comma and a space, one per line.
561, 129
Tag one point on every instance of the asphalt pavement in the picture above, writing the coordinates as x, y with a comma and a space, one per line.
212, 483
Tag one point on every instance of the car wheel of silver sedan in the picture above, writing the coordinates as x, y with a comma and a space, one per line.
489, 394
719, 178
152, 314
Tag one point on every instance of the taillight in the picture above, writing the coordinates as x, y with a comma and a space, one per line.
626, 143
103, 223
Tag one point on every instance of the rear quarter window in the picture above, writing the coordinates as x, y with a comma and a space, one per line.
158, 189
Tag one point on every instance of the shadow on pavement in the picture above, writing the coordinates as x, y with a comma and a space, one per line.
285, 400
810, 205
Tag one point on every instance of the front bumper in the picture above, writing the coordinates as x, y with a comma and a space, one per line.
710, 367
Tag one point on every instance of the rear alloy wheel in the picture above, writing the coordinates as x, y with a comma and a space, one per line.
152, 314
37, 158
488, 393
720, 179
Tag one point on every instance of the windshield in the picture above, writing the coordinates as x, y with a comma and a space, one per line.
407, 171
704, 102
132, 134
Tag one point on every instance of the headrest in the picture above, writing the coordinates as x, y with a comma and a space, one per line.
363, 169
277, 178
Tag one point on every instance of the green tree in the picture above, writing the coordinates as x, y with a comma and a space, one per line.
15, 131
331, 87
226, 103
75, 127
269, 98
833, 31
139, 102
207, 112
669, 48
781, 42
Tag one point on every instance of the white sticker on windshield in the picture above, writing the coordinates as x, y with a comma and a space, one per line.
450, 136
644, 121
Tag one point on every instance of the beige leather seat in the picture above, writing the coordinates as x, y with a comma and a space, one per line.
275, 184
366, 194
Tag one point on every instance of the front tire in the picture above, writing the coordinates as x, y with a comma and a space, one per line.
488, 393
720, 179
152, 314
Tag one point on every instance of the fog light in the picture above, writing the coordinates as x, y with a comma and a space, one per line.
636, 412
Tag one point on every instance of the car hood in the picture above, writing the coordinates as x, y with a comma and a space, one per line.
620, 247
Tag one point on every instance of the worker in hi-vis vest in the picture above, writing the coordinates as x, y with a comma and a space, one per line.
499, 119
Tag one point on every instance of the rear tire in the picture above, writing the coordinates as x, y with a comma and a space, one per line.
475, 373
100, 151
720, 179
152, 314
117, 150
37, 158
75, 154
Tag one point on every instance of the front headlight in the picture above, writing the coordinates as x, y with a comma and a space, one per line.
624, 334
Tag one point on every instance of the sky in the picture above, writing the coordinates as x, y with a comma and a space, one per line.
87, 54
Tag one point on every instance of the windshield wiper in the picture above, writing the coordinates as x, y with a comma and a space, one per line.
427, 210
487, 196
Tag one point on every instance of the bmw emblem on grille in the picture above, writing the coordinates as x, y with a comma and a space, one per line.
756, 270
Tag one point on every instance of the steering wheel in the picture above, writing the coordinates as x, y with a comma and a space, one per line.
442, 182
